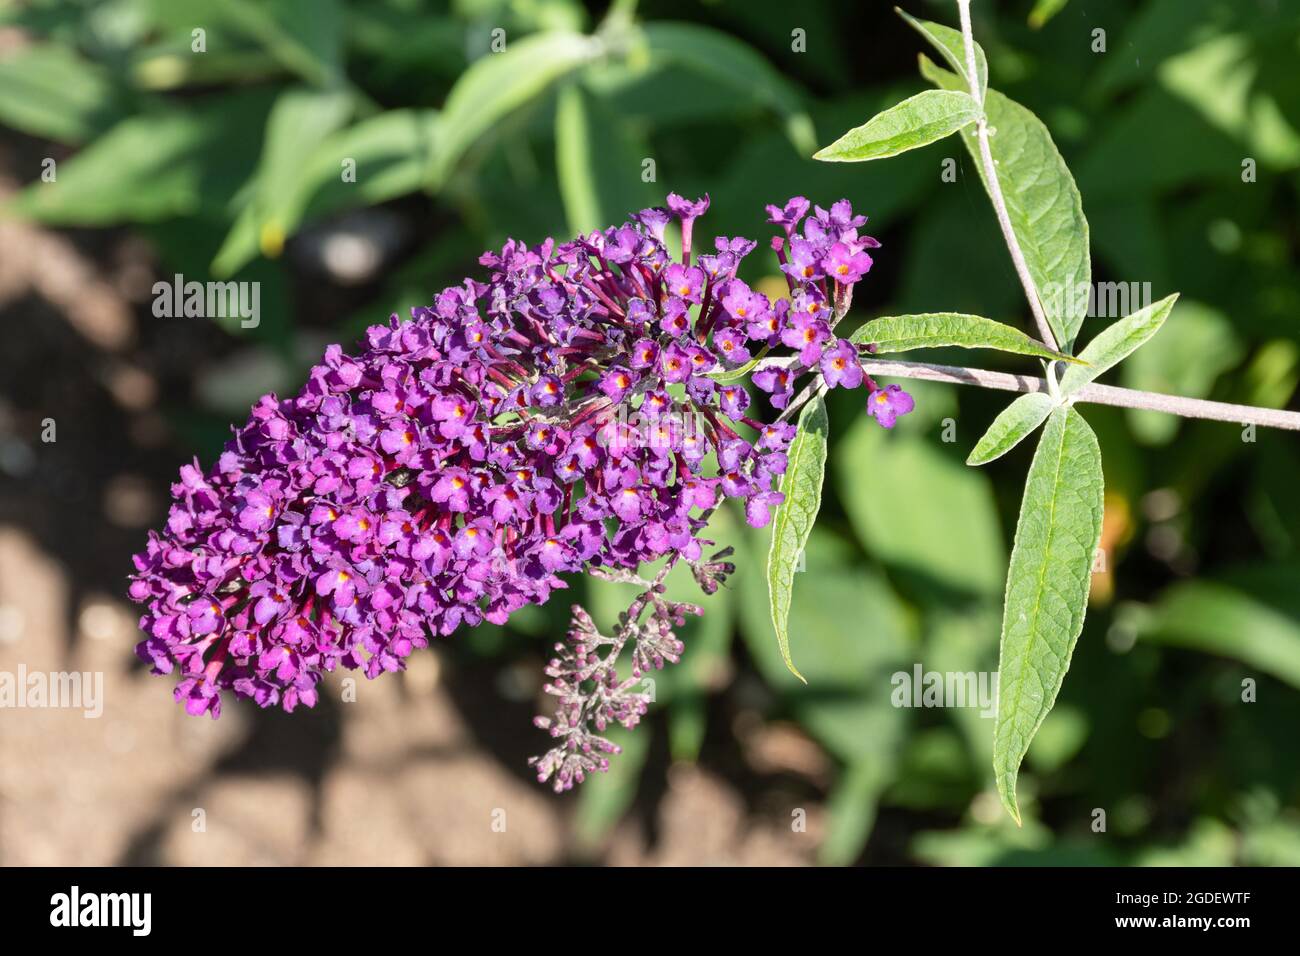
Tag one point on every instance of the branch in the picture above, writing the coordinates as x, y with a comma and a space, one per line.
995, 186
1093, 393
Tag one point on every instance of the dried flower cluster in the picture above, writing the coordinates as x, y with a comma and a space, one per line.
585, 676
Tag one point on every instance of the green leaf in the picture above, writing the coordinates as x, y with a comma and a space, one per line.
736, 66
1249, 616
305, 36
496, 85
155, 166
1012, 426
851, 812
1047, 587
47, 90
1044, 10
575, 160
899, 333
952, 46
802, 487
597, 162
1116, 343
300, 121
605, 797
917, 121
1042, 201
391, 151
953, 542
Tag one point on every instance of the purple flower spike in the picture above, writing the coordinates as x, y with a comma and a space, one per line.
886, 404
578, 412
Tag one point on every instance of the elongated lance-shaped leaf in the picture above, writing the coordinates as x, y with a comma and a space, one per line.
593, 146
498, 84
1012, 426
49, 90
802, 487
952, 46
917, 121
573, 160
1047, 587
1116, 343
932, 330
301, 120
1042, 200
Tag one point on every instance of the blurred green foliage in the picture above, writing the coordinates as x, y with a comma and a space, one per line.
224, 157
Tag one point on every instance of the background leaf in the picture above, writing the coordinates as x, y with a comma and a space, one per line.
1250, 616
300, 121
48, 90
598, 166
953, 541
734, 65
154, 166
496, 85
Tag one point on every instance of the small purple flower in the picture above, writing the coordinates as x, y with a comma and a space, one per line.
758, 508
687, 212
806, 332
616, 383
734, 400
886, 404
844, 265
788, 216
675, 363
732, 346
684, 209
548, 392
804, 264
840, 366
685, 282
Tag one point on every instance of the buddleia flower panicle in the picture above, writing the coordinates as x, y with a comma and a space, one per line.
565, 415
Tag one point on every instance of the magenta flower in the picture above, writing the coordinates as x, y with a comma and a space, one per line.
886, 404
840, 366
789, 215
844, 265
